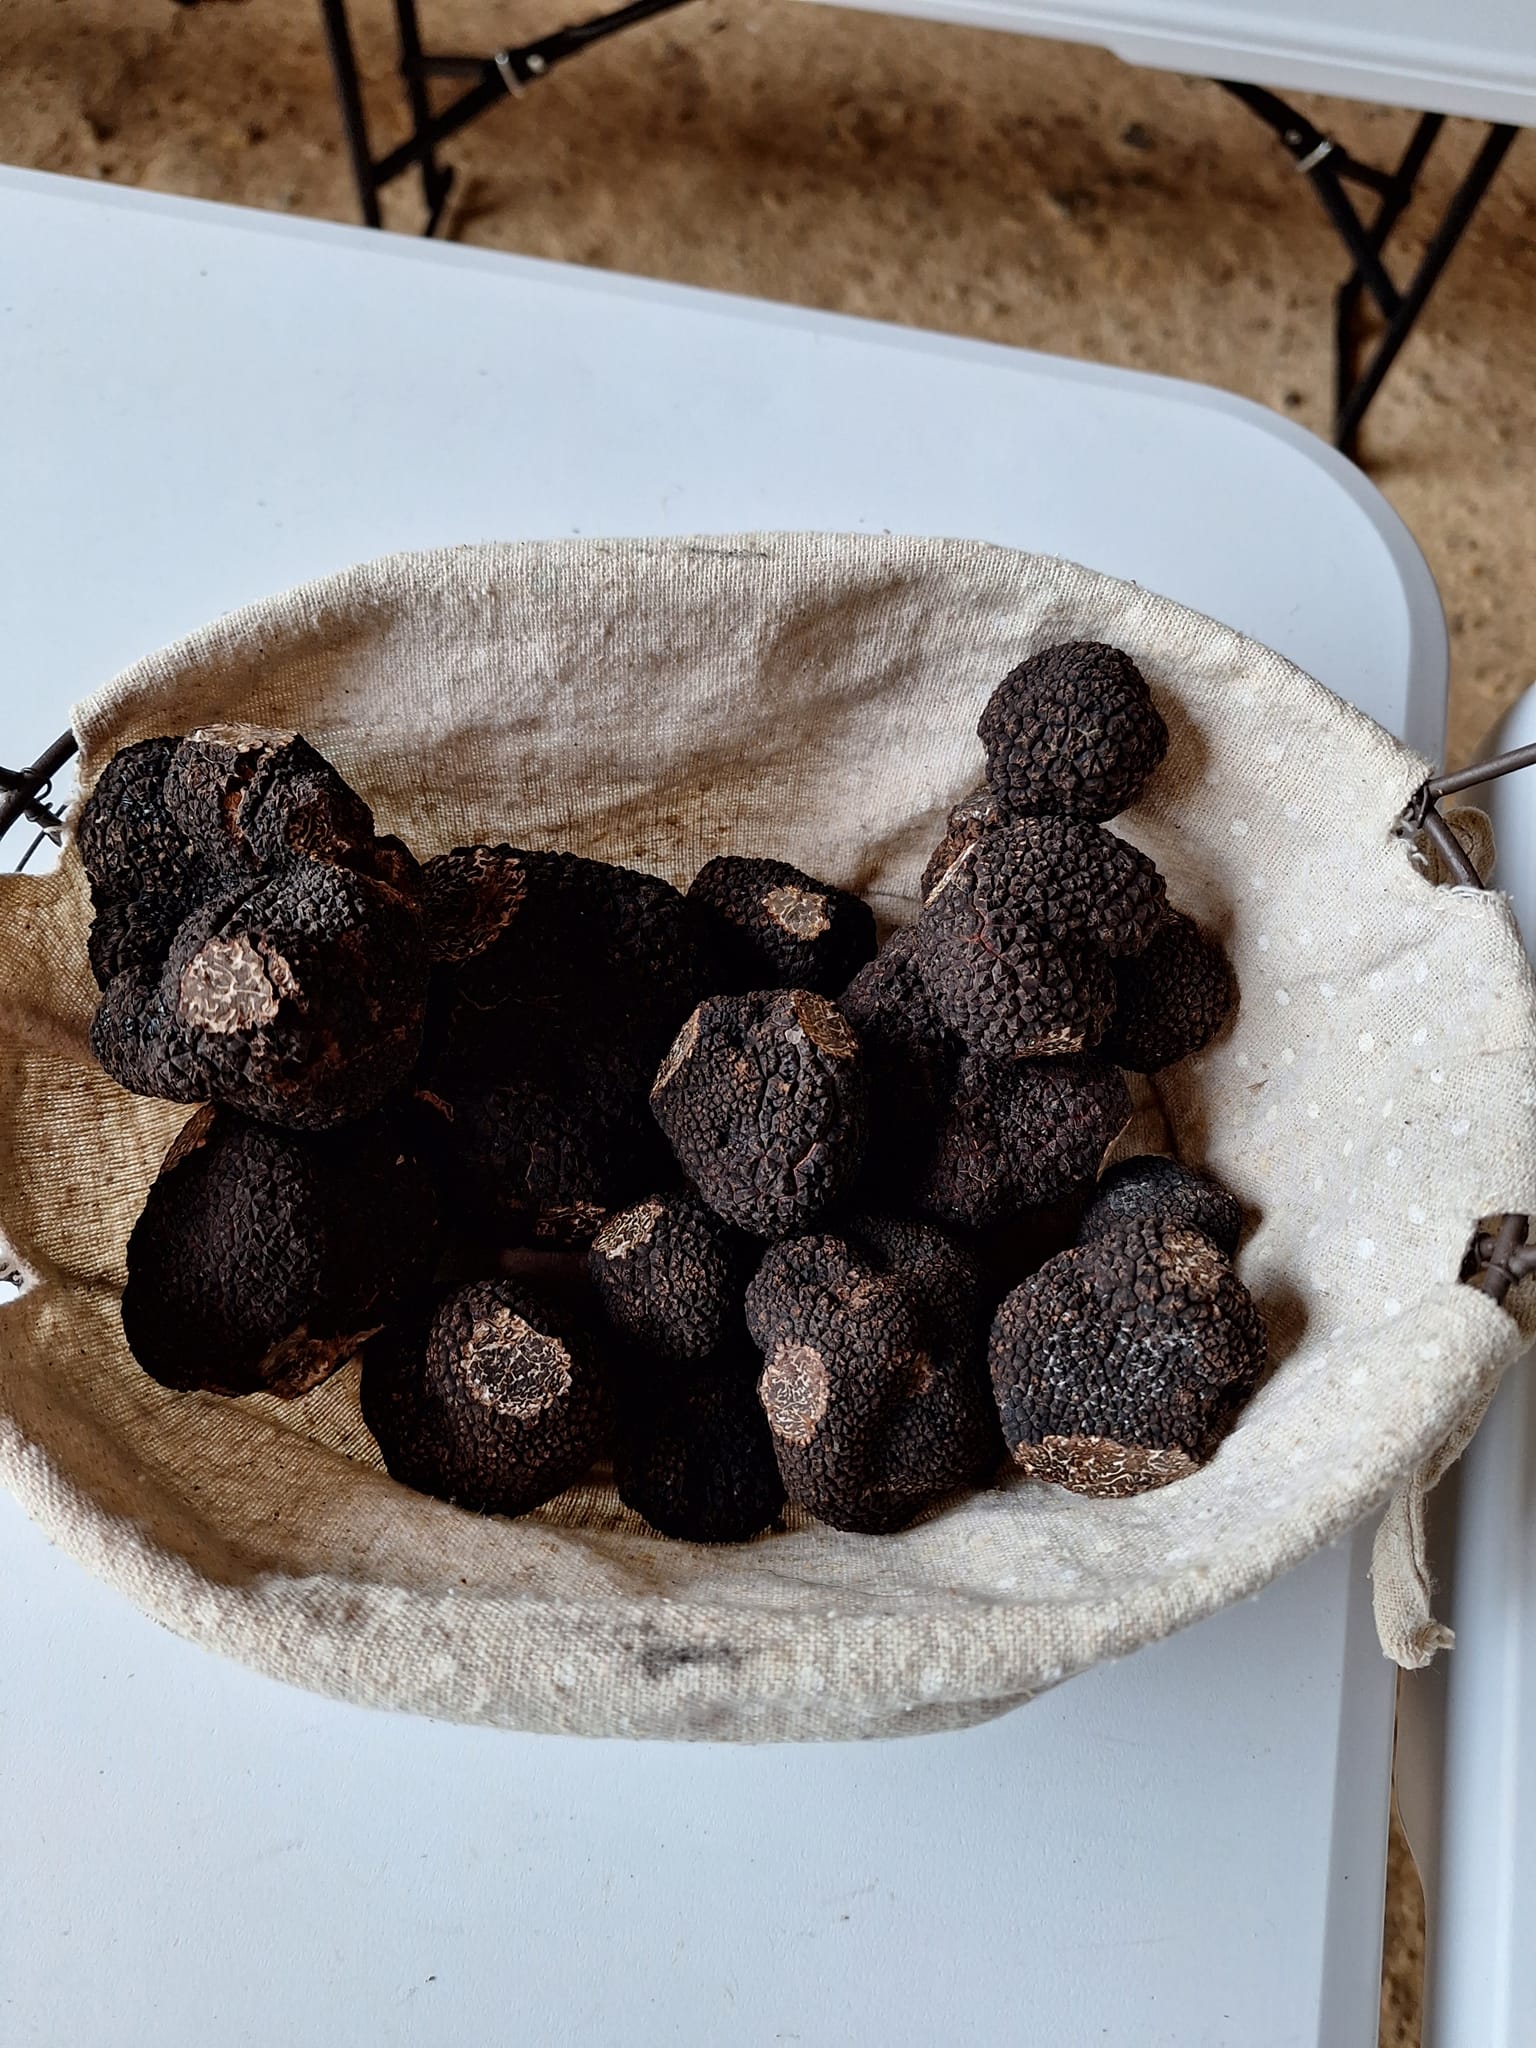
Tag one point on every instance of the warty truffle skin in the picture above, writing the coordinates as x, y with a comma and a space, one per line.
875, 1398
297, 998
1152, 1185
1121, 1364
139, 862
264, 1258
1019, 1134
1007, 989
762, 1098
1171, 1000
973, 815
489, 1397
694, 1455
1061, 876
778, 927
670, 1276
1072, 730
251, 800
909, 1057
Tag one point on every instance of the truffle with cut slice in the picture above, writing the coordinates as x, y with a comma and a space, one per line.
670, 1276
778, 927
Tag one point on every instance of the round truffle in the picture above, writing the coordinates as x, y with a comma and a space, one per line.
877, 1404
973, 815
264, 1258
1172, 1193
1121, 1364
1061, 876
1007, 989
670, 1276
297, 998
490, 1398
139, 862
1019, 1134
780, 928
1073, 729
694, 1456
1171, 1000
762, 1098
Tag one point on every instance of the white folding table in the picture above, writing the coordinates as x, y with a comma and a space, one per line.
1186, 1848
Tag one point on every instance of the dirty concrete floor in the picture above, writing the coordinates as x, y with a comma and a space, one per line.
1026, 192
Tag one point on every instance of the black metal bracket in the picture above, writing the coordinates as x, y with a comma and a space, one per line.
1361, 362
492, 79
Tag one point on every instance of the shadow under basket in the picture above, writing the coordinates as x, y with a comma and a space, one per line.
813, 698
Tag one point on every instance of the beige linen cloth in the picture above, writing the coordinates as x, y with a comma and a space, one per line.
815, 698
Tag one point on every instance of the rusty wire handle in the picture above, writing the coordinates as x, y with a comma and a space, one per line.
1504, 1256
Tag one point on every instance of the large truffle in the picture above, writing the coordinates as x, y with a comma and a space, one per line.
871, 1380
489, 1397
297, 998
670, 1276
1018, 1134
694, 1454
762, 1098
251, 800
1154, 1186
544, 1155
263, 1258
143, 872
780, 928
1061, 876
1120, 1365
1073, 729
1007, 989
1171, 1000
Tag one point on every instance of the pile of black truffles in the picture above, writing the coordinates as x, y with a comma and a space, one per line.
709, 1185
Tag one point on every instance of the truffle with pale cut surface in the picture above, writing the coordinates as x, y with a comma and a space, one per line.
778, 927
670, 1276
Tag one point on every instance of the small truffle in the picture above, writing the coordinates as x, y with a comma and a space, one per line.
873, 1388
1019, 1134
251, 800
762, 1098
1152, 1185
781, 928
140, 864
694, 1455
1171, 1000
1007, 989
264, 1258
489, 1397
1121, 1364
972, 816
1073, 729
297, 998
1062, 876
670, 1276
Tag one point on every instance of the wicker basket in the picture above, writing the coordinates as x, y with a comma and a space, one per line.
814, 698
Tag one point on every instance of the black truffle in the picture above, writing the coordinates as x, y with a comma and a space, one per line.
1152, 1185
1121, 1364
762, 1098
873, 1391
264, 1258
670, 1276
1019, 1134
1073, 729
297, 998
973, 815
694, 1455
1062, 876
1171, 999
1007, 989
251, 800
909, 1058
543, 1156
781, 928
139, 862
490, 1398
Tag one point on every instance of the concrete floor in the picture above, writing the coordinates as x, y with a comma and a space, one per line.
1026, 192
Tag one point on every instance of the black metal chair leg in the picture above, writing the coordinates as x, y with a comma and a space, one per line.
338, 41
436, 178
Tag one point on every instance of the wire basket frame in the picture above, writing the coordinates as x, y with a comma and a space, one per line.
1496, 1260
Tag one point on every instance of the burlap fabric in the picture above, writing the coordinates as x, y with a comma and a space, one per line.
815, 698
